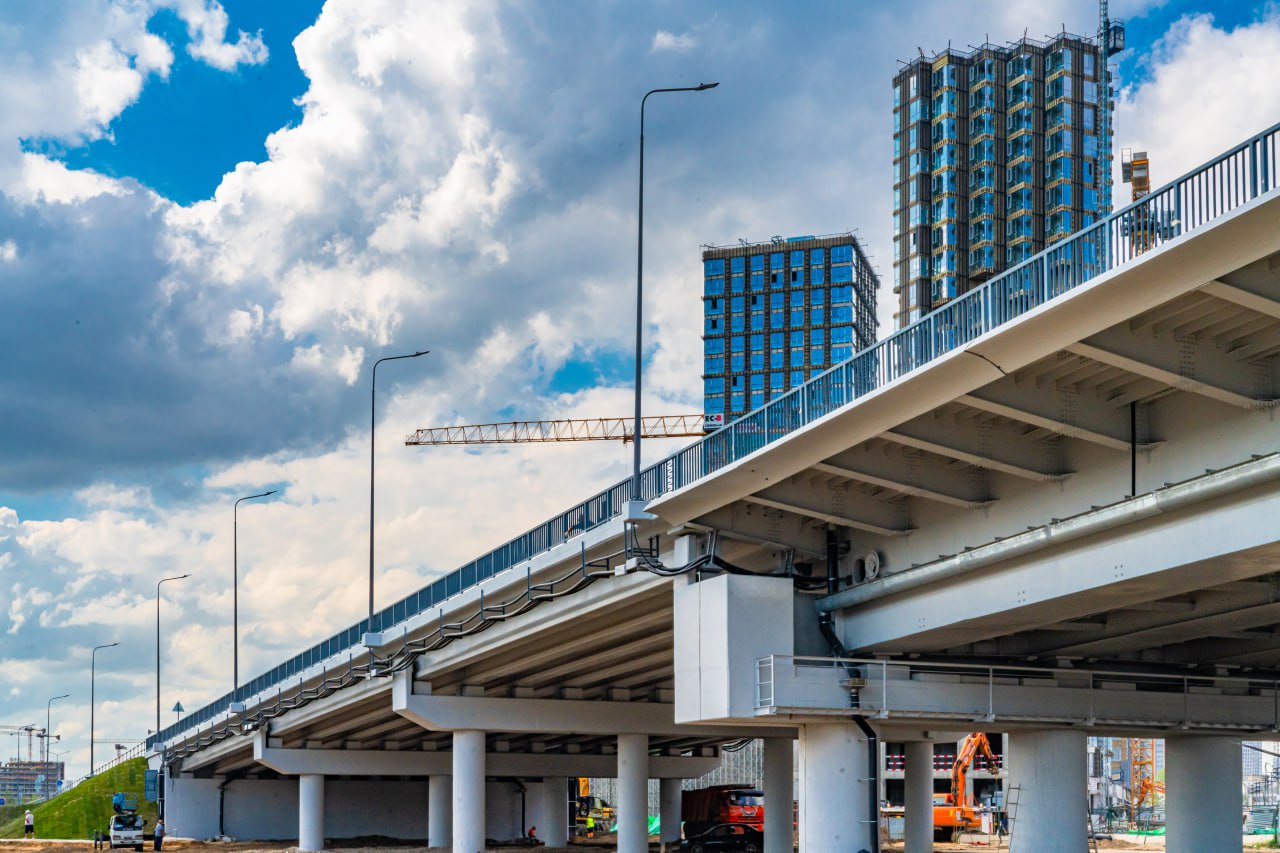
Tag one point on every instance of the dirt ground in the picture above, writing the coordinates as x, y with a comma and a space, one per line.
39, 846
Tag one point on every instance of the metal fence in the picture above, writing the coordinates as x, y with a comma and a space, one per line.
1220, 186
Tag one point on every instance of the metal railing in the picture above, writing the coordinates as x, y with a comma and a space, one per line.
880, 688
1220, 186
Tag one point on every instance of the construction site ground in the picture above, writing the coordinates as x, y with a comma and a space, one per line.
593, 846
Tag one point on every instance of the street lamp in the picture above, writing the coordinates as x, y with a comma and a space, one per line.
93, 684
372, 422
235, 599
48, 733
635, 434
162, 580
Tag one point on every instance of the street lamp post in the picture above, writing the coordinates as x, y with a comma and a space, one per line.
93, 685
161, 581
235, 602
635, 434
48, 733
373, 388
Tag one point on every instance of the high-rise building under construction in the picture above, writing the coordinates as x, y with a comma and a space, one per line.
778, 313
998, 152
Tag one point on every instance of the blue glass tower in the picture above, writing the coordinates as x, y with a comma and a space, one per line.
778, 313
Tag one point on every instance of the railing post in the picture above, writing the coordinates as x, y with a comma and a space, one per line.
884, 687
991, 692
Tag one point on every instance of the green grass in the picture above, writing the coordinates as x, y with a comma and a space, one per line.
86, 807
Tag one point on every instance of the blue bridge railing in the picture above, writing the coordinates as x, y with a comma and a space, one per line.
1216, 188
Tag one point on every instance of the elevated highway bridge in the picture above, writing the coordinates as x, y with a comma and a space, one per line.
1048, 508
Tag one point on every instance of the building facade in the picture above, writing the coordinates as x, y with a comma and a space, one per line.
778, 313
998, 153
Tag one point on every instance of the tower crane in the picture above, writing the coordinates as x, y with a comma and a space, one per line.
565, 429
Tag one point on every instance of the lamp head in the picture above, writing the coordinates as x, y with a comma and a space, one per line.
702, 87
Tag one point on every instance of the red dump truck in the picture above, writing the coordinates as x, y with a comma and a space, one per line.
706, 807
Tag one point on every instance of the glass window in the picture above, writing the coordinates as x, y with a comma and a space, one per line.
736, 283
757, 381
841, 254
713, 364
736, 304
797, 316
816, 256
713, 385
757, 321
757, 263
815, 355
776, 339
797, 298
735, 343
714, 325
817, 296
738, 264
713, 346
757, 281
736, 363
816, 336
841, 273
714, 266
757, 342
757, 399
841, 294
777, 260
841, 314
775, 359
714, 286
841, 334
816, 275
737, 323
757, 361
797, 258
713, 405
815, 316
839, 354
775, 382
1090, 92
736, 403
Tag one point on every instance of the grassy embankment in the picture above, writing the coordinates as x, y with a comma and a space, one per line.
86, 807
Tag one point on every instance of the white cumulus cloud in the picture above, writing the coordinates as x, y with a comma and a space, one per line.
663, 40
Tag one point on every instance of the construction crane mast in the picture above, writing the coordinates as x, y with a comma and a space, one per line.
567, 429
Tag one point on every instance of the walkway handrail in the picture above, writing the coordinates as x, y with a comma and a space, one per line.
1224, 184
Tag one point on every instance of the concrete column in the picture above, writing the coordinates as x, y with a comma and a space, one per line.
310, 813
1202, 799
439, 811
555, 811
1049, 770
669, 808
633, 794
835, 795
468, 792
919, 800
779, 795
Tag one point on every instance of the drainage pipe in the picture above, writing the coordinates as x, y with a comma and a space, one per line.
1257, 472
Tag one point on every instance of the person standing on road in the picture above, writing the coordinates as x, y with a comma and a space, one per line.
159, 833
29, 825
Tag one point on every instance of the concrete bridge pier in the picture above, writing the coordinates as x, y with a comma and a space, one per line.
778, 794
1049, 770
310, 813
468, 791
835, 793
669, 803
554, 830
1202, 803
439, 811
633, 793
918, 781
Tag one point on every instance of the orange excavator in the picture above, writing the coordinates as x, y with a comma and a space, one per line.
955, 812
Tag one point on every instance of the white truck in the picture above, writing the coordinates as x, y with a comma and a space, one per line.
126, 825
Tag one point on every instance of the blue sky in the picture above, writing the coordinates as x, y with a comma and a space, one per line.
214, 216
